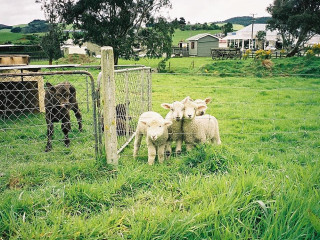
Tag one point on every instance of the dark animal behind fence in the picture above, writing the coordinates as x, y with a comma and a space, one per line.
59, 100
121, 122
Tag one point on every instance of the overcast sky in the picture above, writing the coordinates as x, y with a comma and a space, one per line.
13, 12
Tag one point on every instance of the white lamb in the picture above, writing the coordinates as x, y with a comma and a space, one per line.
175, 130
198, 129
202, 102
155, 128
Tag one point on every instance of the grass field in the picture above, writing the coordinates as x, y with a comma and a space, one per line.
263, 182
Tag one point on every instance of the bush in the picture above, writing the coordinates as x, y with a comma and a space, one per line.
246, 54
16, 30
162, 65
262, 54
267, 64
316, 48
310, 53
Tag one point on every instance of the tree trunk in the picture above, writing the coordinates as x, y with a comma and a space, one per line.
296, 48
293, 52
50, 61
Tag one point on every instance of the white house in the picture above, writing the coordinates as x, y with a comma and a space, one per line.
246, 38
69, 48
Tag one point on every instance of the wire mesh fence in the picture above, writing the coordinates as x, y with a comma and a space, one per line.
275, 115
52, 113
254, 115
133, 97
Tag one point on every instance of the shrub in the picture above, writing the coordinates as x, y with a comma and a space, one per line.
310, 53
262, 54
267, 64
162, 65
316, 48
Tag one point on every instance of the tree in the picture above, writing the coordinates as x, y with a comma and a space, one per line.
36, 26
296, 20
16, 30
261, 37
114, 23
182, 23
51, 42
228, 27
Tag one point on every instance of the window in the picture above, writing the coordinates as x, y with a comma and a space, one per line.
192, 45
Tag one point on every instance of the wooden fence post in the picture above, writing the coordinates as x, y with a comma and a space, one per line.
108, 102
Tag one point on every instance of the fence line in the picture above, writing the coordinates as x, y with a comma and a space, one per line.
16, 90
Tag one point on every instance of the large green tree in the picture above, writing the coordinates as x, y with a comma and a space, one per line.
228, 27
52, 41
119, 24
296, 20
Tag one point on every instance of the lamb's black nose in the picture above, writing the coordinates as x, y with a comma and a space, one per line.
189, 116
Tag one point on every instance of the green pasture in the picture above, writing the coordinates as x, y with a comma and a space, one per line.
263, 182
6, 36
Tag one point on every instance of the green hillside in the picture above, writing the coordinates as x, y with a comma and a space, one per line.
245, 20
6, 36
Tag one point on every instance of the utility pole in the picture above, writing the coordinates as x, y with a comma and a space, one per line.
252, 21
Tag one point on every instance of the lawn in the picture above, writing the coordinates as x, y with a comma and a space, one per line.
263, 182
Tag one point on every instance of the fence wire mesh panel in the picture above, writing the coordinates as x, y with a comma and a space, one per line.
260, 115
133, 97
35, 107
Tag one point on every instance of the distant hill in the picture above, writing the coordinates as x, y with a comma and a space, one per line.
2, 26
245, 20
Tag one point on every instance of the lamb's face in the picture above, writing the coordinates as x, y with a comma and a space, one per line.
190, 109
177, 109
156, 128
202, 102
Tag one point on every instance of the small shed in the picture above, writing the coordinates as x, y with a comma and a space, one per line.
200, 45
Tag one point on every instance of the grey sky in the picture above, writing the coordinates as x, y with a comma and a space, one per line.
13, 12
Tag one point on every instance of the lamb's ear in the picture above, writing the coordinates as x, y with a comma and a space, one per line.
202, 107
207, 100
50, 87
186, 99
167, 123
166, 105
143, 122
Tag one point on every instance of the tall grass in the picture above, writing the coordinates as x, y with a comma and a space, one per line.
262, 183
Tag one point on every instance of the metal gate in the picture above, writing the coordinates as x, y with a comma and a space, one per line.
23, 128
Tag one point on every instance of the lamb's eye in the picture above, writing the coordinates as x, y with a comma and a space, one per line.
160, 126
171, 109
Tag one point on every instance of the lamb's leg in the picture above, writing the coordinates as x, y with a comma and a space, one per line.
189, 146
168, 149
137, 143
217, 139
179, 146
161, 153
151, 153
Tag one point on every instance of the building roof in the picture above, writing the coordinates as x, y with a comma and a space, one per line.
245, 33
199, 36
